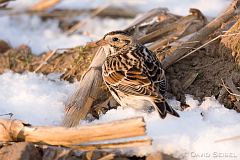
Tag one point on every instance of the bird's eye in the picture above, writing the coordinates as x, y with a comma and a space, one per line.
115, 39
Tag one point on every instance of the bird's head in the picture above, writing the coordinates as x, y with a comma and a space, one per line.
116, 40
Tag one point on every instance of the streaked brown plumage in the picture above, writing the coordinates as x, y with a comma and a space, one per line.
133, 74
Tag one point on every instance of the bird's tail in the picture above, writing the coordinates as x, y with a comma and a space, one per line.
164, 108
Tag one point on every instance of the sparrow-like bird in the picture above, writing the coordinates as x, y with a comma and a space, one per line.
133, 74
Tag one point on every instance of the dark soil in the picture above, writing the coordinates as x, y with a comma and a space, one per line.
71, 63
211, 67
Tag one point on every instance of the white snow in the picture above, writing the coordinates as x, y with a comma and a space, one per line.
181, 7
192, 136
39, 100
40, 36
34, 98
22, 4
43, 36
104, 26
210, 8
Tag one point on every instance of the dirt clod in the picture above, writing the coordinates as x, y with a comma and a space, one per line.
4, 46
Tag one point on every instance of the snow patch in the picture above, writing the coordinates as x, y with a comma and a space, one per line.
210, 8
34, 98
193, 135
40, 36
43, 36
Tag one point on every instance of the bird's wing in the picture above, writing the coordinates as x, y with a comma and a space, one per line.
135, 77
153, 69
132, 81
135, 82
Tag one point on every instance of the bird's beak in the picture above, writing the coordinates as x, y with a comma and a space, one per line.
101, 42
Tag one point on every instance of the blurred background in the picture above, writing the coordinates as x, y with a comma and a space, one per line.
50, 24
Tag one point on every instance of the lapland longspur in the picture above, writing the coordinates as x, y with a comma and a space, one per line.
133, 74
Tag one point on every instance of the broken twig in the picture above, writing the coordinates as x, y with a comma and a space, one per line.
45, 60
84, 137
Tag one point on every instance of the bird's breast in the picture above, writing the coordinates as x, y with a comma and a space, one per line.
136, 102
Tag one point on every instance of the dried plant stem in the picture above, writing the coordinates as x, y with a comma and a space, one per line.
127, 144
212, 40
228, 139
85, 137
227, 89
202, 34
45, 60
108, 157
44, 5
